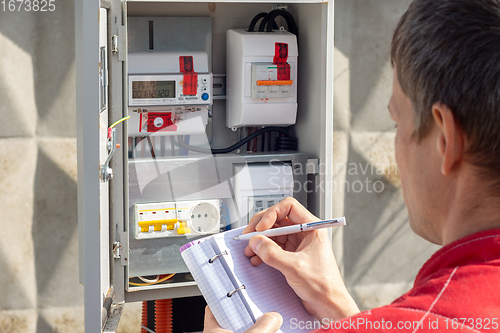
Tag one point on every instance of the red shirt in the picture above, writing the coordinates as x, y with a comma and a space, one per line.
457, 290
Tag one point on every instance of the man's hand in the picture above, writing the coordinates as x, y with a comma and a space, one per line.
306, 259
267, 323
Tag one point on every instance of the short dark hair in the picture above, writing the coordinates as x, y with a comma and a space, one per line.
448, 51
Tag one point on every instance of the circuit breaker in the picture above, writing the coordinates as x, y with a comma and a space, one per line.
176, 219
261, 78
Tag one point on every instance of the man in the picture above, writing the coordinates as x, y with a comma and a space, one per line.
446, 105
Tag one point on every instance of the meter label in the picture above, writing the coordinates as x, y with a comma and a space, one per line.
155, 121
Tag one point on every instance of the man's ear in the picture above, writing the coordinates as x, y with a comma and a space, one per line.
451, 137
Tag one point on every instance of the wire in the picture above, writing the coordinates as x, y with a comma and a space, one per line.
271, 16
147, 329
249, 143
257, 17
255, 20
263, 143
228, 224
236, 145
119, 121
225, 207
169, 276
149, 281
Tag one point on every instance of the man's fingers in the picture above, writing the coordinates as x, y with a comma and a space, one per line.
211, 325
210, 322
256, 261
248, 252
270, 253
253, 221
287, 209
267, 323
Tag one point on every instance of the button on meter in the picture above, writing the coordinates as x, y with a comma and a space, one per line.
204, 96
158, 122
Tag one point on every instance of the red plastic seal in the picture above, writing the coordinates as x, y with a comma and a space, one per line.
190, 84
190, 79
157, 121
186, 64
283, 72
280, 53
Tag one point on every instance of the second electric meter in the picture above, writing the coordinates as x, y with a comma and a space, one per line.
261, 78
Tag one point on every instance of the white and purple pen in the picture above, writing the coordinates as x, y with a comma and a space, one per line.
293, 229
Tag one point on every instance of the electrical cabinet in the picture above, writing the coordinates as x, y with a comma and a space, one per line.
190, 126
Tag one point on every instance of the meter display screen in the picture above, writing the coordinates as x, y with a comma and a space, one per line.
153, 89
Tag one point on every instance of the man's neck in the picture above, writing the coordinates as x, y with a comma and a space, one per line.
473, 208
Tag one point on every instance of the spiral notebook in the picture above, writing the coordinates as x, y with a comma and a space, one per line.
237, 292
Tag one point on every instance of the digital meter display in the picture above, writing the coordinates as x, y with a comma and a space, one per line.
153, 89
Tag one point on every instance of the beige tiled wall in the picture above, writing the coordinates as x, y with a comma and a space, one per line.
39, 289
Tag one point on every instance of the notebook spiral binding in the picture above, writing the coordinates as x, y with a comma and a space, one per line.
229, 294
211, 260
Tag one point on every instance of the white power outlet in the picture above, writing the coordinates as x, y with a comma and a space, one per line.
176, 218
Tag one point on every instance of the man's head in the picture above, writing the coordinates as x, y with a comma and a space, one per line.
446, 55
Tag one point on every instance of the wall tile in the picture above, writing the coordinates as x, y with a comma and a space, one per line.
17, 92
55, 71
18, 321
17, 170
55, 234
61, 319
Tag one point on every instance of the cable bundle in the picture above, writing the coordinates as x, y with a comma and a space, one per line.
285, 143
268, 21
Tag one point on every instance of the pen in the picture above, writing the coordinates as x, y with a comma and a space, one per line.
292, 229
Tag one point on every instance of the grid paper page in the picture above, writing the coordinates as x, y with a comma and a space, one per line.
214, 284
266, 288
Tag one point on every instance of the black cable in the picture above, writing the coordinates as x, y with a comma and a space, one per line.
240, 143
256, 19
271, 16
262, 142
285, 143
292, 26
269, 139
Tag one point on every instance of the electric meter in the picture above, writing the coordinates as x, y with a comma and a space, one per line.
169, 93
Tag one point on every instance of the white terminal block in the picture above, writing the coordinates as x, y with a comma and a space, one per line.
176, 218
257, 187
255, 94
259, 203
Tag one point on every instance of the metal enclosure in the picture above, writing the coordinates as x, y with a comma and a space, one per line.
108, 250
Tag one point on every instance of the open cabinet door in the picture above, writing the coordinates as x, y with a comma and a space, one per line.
94, 147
